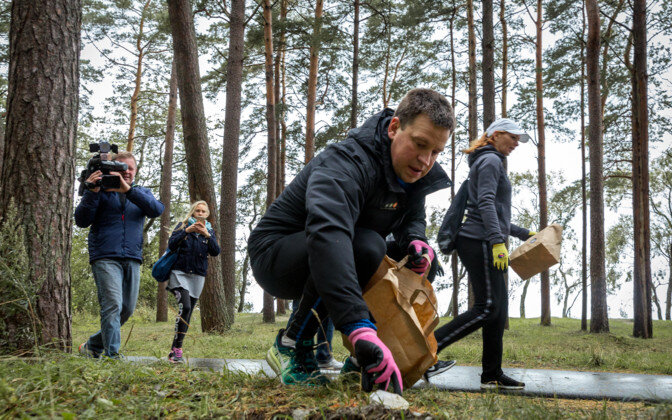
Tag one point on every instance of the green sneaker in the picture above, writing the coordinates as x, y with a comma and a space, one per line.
295, 365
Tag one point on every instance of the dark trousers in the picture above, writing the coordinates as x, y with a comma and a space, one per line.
283, 271
325, 333
185, 307
490, 308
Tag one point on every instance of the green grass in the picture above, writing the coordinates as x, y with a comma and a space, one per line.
526, 343
62, 385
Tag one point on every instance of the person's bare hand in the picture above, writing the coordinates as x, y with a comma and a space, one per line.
123, 186
192, 228
93, 178
202, 229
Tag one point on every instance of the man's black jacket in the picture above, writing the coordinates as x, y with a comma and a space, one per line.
350, 184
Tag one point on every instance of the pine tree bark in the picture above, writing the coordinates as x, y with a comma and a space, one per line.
268, 310
229, 190
642, 282
138, 79
455, 306
473, 103
668, 301
164, 192
599, 321
488, 65
584, 198
39, 162
214, 313
312, 82
505, 55
541, 162
473, 99
355, 67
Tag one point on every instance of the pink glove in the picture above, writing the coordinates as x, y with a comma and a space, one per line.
377, 363
417, 262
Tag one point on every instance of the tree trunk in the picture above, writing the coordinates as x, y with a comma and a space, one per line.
541, 162
138, 79
643, 325
39, 168
243, 286
522, 298
505, 55
488, 65
280, 111
668, 301
473, 99
3, 120
355, 67
453, 149
599, 321
283, 101
269, 313
234, 80
312, 82
214, 314
473, 103
164, 192
584, 198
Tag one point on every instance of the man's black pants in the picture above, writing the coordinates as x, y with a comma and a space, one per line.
490, 308
282, 270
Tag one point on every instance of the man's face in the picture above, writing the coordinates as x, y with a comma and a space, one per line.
415, 148
128, 174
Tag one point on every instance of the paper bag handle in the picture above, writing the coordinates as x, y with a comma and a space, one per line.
404, 260
427, 329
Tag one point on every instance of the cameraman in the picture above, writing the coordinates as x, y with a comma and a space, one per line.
117, 218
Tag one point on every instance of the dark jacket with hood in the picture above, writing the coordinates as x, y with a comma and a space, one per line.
193, 250
350, 184
116, 221
488, 213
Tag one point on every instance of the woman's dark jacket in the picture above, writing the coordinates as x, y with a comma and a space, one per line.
194, 249
488, 213
350, 184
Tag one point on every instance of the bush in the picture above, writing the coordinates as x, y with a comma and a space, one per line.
19, 293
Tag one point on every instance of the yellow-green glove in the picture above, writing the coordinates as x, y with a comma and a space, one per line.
531, 234
500, 256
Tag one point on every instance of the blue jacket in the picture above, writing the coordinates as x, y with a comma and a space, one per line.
194, 249
488, 213
116, 226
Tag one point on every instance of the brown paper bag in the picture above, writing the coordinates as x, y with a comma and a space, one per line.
537, 253
405, 309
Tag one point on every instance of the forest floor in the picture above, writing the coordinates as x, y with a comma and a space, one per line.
68, 386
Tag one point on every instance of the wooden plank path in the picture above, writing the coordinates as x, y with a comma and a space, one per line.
539, 382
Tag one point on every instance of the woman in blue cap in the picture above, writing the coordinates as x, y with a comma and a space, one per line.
481, 248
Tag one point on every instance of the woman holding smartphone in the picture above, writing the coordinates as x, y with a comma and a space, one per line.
193, 239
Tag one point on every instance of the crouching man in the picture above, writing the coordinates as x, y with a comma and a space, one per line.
324, 237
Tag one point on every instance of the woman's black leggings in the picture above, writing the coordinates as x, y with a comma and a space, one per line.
490, 310
185, 307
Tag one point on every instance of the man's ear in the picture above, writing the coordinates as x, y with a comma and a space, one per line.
393, 127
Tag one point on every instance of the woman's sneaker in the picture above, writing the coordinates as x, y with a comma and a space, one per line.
175, 355
502, 382
438, 368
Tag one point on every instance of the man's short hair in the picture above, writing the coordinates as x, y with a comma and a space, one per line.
125, 155
429, 102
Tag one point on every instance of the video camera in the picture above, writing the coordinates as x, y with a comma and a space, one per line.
101, 162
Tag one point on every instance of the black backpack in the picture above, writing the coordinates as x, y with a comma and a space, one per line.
452, 221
